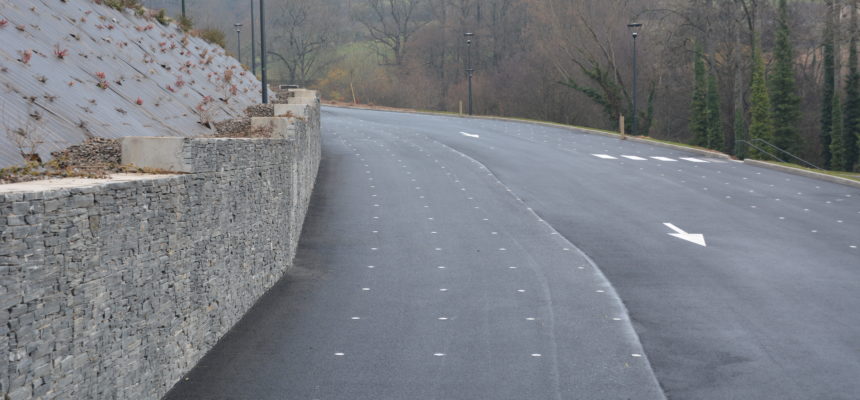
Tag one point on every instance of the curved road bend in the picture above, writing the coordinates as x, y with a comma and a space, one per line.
440, 260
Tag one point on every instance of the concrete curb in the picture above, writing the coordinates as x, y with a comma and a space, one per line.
703, 152
803, 172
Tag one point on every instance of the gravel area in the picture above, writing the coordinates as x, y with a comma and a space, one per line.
260, 110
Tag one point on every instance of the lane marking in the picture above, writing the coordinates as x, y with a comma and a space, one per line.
693, 159
470, 135
635, 158
696, 238
665, 159
605, 156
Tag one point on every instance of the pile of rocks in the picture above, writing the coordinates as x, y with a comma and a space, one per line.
232, 127
93, 153
96, 157
260, 110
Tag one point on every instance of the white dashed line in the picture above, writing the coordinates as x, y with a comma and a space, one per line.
605, 156
635, 158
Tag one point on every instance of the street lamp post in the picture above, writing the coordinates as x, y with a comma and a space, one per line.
238, 27
253, 43
183, 9
469, 68
634, 28
263, 54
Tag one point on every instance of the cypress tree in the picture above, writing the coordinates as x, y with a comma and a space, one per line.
699, 109
851, 130
786, 102
837, 143
829, 89
716, 139
761, 124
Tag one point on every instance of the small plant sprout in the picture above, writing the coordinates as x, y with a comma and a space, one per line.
60, 52
26, 55
103, 85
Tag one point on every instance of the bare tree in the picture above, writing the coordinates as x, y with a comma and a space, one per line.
391, 24
304, 30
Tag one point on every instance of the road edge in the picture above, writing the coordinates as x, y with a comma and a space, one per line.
803, 172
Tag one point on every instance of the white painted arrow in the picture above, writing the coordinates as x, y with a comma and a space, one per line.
696, 238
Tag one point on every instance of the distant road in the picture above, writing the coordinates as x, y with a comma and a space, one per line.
441, 260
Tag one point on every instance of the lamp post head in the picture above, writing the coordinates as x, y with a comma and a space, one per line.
634, 28
238, 27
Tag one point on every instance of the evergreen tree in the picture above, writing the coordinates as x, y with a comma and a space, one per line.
699, 109
837, 143
851, 130
829, 90
716, 139
761, 124
786, 102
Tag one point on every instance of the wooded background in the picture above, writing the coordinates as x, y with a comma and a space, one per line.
711, 72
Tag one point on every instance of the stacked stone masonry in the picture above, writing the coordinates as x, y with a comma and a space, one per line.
115, 290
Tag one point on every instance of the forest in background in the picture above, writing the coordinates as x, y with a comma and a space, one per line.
711, 72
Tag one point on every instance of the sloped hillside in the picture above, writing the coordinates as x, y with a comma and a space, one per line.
70, 69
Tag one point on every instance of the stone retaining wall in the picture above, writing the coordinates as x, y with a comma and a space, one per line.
115, 290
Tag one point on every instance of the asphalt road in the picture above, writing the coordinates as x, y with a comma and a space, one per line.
445, 258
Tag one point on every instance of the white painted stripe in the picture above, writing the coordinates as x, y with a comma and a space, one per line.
664, 158
470, 135
636, 158
692, 159
604, 156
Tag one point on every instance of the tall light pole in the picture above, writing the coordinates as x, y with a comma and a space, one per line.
263, 51
469, 68
253, 43
634, 30
183, 9
238, 27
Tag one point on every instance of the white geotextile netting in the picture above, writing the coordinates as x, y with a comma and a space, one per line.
120, 75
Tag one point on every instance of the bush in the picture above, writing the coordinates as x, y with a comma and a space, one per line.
185, 23
212, 35
162, 18
121, 5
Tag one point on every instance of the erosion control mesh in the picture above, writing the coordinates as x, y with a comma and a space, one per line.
71, 70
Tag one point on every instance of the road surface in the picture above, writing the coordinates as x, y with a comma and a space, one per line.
454, 258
